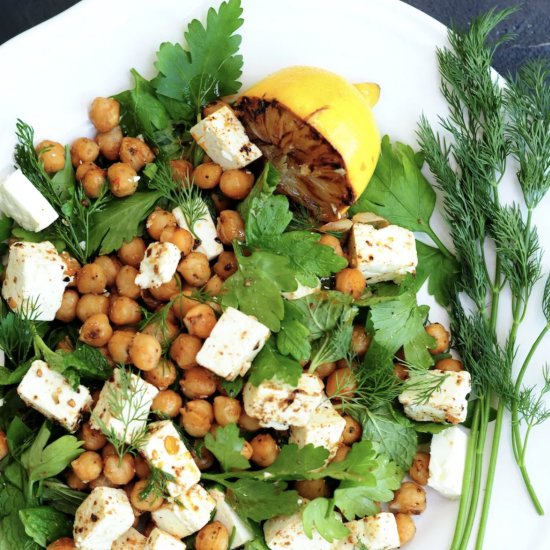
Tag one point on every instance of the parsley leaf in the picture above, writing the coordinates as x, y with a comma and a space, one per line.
319, 514
295, 462
226, 446
12, 534
293, 339
271, 364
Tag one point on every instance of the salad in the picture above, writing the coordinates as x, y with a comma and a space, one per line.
209, 324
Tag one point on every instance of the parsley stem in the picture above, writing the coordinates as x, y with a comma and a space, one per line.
444, 250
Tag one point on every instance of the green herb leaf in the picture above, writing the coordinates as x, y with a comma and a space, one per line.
226, 446
319, 514
61, 497
293, 339
295, 462
12, 534
5, 227
270, 364
233, 387
45, 524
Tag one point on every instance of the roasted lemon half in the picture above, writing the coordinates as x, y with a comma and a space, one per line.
319, 132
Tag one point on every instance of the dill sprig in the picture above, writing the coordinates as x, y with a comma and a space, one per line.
17, 331
531, 404
157, 484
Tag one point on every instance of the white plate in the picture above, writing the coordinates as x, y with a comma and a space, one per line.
51, 73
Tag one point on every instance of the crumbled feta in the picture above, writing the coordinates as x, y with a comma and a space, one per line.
50, 394
204, 228
165, 450
382, 254
377, 532
223, 138
158, 265
231, 520
103, 516
447, 404
287, 533
279, 405
301, 291
21, 200
190, 513
35, 279
233, 344
133, 416
160, 540
131, 540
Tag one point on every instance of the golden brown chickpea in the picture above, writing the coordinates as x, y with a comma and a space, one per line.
167, 291
167, 402
119, 346
135, 152
163, 332
360, 340
75, 482
213, 536
226, 410
203, 458
207, 175
62, 544
230, 226
236, 184
264, 450
149, 504
442, 337
333, 242
350, 281
197, 417
180, 237
67, 309
142, 467
200, 321
93, 182
247, 451
111, 266
410, 498
84, 150
145, 351
72, 267
220, 201
83, 168
341, 453
65, 344
101, 481
119, 471
352, 431
109, 143
93, 439
214, 286
198, 383
52, 155
108, 450
401, 371
184, 351
91, 279
405, 527
449, 365
181, 170
87, 466
195, 269
420, 468
4, 450
158, 221
226, 265
325, 369
123, 179
91, 304
96, 330
126, 282
212, 107
341, 383
105, 113
312, 488
248, 423
125, 311
182, 304
133, 252
162, 376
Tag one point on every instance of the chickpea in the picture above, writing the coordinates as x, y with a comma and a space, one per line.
123, 179
84, 150
94, 181
133, 252
81, 170
72, 267
67, 309
96, 330
341, 453
91, 304
168, 290
167, 402
162, 376
420, 468
111, 267
65, 344
93, 439
213, 536
203, 458
312, 488
360, 340
184, 351
158, 221
135, 152
236, 184
109, 143
4, 450
197, 417
87, 466
325, 369
195, 269
200, 321
230, 226
74, 482
198, 383
214, 286
119, 346
226, 265
145, 351
333, 242
401, 371
164, 334
108, 450
264, 450
64, 543
226, 410
352, 431
52, 155
142, 467
105, 113
119, 471
221, 202
248, 423
180, 237
214, 106
126, 282
449, 365
207, 175
182, 304
125, 311
91, 279
181, 170
410, 498
442, 337
350, 281
341, 383
149, 504
405, 527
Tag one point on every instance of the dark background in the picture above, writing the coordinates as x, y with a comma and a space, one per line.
531, 23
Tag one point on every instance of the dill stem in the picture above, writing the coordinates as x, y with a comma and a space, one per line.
443, 249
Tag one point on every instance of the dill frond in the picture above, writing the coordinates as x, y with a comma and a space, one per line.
531, 402
157, 484
546, 300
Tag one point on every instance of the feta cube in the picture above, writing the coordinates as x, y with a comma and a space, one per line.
21, 200
301, 291
233, 344
224, 140
50, 394
160, 540
447, 404
385, 254
323, 429
377, 532
102, 518
186, 516
231, 520
35, 279
131, 540
132, 418
165, 450
2, 358
209, 243
279, 405
447, 461
158, 265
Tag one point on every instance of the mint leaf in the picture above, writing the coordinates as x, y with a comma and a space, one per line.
12, 534
319, 514
45, 525
11, 497
226, 446
270, 364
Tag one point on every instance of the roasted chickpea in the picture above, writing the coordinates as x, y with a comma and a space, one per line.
264, 450
108, 450
74, 482
341, 383
105, 113
449, 365
360, 340
67, 309
4, 450
52, 155
184, 351
91, 279
182, 304
65, 344
200, 321
132, 253
220, 201
213, 536
109, 143
72, 267
167, 291
236, 184
180, 237
158, 221
163, 375
119, 346
126, 282
341, 453
93, 439
214, 106
96, 330
312, 488
145, 351
64, 543
226, 410
135, 152
181, 170
111, 266
207, 175
230, 226
203, 458
197, 417
101, 481
149, 504
405, 527
142, 467
420, 468
248, 423
163, 332
125, 311
195, 269
226, 265
214, 285
123, 179
350, 281
81, 170
167, 402
442, 337
401, 371
84, 150
333, 242
352, 431
119, 471
410, 498
91, 304
93, 182
325, 369
87, 466
198, 383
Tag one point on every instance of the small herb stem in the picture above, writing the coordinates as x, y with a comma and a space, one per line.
444, 250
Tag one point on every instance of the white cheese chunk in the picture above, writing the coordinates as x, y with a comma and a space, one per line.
103, 516
132, 418
382, 254
223, 138
447, 404
191, 512
160, 540
50, 394
21, 200
231, 520
279, 405
2, 358
287, 533
233, 344
377, 532
301, 291
165, 450
323, 429
35, 279
158, 265
131, 540
447, 461
204, 228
